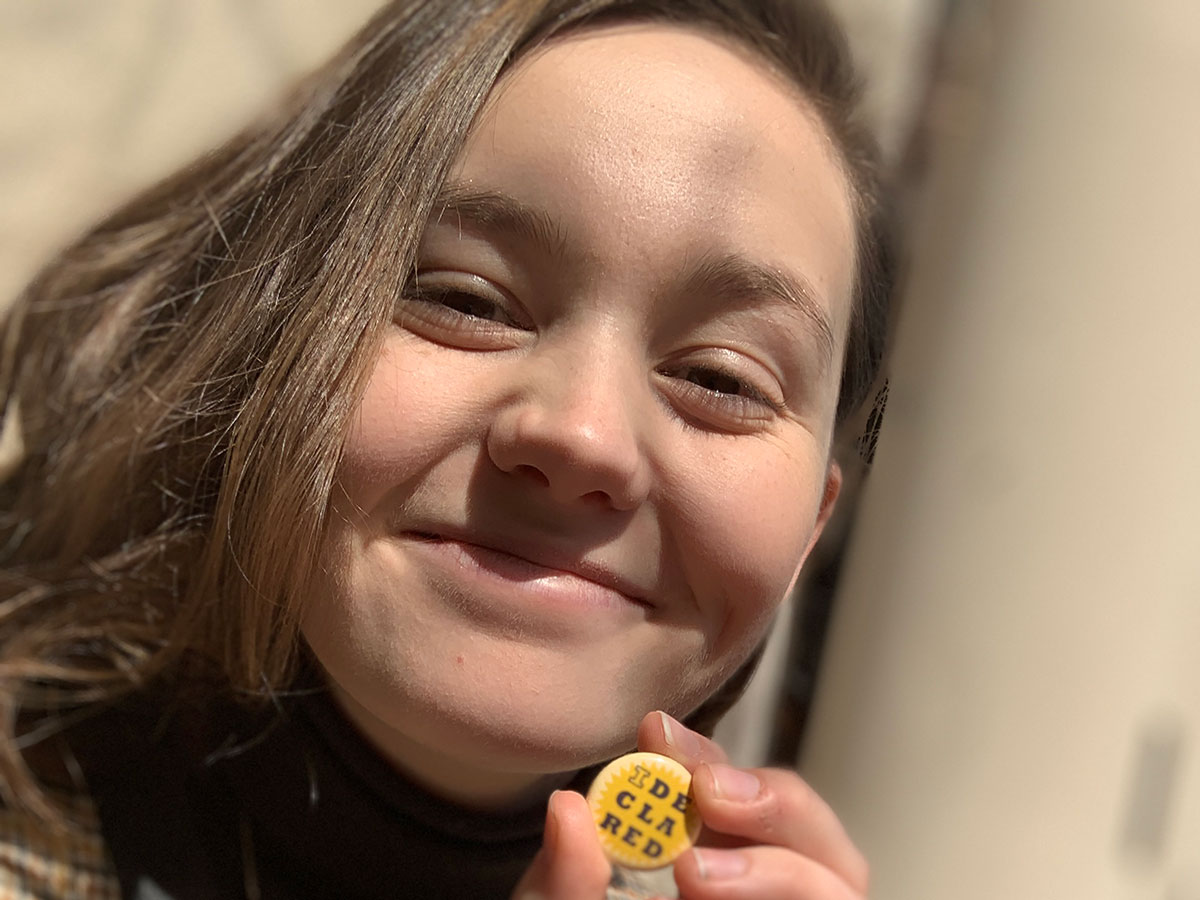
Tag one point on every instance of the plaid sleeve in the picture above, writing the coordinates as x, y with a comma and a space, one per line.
41, 863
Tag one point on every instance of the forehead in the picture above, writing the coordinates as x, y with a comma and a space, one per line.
651, 142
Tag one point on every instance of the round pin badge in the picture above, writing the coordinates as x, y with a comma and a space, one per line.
642, 806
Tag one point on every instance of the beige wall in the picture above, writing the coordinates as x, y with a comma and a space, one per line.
101, 97
1011, 705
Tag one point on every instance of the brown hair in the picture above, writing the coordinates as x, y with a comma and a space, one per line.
185, 373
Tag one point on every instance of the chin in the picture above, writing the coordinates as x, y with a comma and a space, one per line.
531, 740
540, 729
505, 708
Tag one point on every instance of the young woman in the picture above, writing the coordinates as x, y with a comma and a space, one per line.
449, 433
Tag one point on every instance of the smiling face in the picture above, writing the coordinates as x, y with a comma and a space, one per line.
594, 449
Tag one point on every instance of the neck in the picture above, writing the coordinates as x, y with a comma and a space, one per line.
447, 774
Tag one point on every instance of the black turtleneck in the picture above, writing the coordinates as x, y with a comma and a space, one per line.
284, 803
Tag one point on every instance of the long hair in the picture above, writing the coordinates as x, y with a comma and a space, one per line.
183, 376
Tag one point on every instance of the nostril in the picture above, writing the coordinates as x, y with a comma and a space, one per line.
533, 472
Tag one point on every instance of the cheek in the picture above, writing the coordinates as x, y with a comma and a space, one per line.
406, 423
746, 542
379, 442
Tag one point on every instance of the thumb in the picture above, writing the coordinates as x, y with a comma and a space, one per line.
570, 865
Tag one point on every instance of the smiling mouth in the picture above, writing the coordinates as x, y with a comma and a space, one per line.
587, 580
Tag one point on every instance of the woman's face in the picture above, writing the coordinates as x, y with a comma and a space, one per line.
594, 450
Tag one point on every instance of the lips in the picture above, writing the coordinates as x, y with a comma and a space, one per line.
520, 561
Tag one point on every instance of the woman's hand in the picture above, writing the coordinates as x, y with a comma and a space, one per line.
768, 836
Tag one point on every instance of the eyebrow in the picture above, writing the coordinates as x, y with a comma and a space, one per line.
733, 277
729, 276
499, 212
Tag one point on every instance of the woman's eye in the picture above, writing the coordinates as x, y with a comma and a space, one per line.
474, 315
469, 305
717, 382
719, 397
465, 303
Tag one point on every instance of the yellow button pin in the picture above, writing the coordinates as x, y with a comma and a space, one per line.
642, 806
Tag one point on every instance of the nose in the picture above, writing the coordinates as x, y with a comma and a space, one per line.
572, 429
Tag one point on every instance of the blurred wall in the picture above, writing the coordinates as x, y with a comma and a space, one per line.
1011, 702
101, 97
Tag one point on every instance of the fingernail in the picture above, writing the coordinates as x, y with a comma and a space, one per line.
679, 736
550, 833
734, 784
717, 865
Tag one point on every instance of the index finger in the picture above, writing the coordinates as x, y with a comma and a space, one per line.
660, 733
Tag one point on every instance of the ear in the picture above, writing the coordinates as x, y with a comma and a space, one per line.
833, 487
